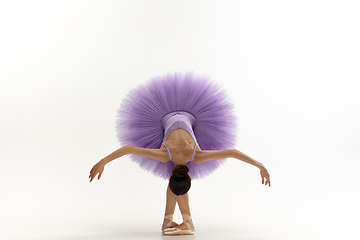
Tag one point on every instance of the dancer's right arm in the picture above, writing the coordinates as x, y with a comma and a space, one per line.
158, 154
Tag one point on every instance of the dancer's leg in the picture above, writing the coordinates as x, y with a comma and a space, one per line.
170, 207
183, 202
170, 202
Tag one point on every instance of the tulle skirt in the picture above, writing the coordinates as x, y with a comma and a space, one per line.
139, 118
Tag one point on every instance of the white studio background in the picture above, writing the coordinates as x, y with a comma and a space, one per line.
291, 67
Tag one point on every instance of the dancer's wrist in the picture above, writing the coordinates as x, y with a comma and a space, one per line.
104, 161
261, 166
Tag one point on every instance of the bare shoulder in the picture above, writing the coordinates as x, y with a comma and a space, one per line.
202, 156
158, 154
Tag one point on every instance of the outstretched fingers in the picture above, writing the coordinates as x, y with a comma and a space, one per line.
97, 169
268, 181
92, 176
265, 176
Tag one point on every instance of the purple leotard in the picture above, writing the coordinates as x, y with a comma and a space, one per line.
179, 120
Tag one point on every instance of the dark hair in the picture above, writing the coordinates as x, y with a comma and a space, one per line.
180, 181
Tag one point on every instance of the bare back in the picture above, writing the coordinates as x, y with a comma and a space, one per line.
181, 145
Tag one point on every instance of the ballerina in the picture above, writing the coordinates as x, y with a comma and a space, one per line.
182, 132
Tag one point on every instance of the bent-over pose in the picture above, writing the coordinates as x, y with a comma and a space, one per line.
189, 141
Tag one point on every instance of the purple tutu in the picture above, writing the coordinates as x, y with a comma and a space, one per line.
139, 118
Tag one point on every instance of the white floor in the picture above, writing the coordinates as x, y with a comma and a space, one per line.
281, 232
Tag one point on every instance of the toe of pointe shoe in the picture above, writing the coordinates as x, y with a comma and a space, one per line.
176, 231
169, 229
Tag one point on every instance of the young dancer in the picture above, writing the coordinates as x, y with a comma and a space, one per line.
179, 127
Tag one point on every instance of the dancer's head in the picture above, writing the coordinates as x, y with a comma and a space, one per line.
180, 181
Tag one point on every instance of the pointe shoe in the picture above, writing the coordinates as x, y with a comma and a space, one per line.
177, 231
167, 226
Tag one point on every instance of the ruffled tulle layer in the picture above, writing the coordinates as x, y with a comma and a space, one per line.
138, 120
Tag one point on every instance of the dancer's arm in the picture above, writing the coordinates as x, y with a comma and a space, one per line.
208, 155
157, 154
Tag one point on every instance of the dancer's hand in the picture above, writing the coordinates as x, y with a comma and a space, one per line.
97, 168
265, 175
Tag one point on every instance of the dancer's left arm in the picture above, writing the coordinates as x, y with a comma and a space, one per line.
208, 155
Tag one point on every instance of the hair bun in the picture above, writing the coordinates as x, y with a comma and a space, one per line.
180, 171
